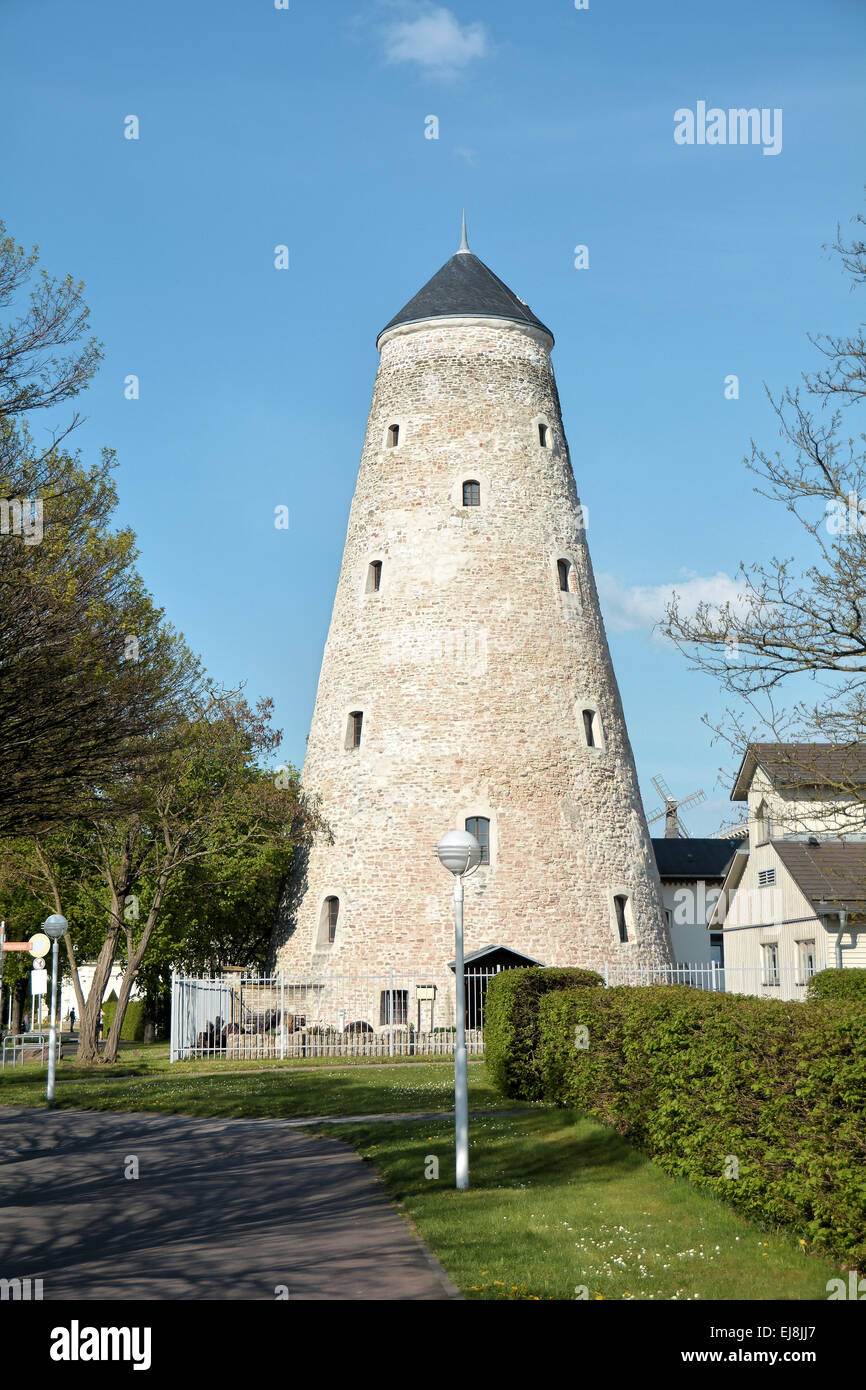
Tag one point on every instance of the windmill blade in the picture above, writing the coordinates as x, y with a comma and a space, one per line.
694, 800
682, 829
657, 815
662, 788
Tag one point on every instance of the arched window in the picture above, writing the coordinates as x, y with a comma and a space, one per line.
332, 912
762, 824
374, 577
589, 718
563, 569
472, 494
353, 732
542, 436
620, 903
393, 436
479, 826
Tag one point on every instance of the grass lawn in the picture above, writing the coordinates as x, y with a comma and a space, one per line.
557, 1201
145, 1080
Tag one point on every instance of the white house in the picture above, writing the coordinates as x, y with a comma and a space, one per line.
794, 895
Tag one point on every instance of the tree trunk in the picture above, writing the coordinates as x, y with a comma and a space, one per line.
112, 1045
88, 1037
135, 957
19, 991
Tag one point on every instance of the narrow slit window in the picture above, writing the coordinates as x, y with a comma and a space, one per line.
356, 721
332, 912
472, 494
589, 727
620, 903
542, 436
374, 577
563, 568
479, 826
393, 436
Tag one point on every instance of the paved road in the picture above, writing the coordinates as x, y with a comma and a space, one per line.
222, 1209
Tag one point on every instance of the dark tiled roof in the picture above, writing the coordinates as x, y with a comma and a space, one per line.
694, 858
465, 287
832, 766
833, 871
491, 951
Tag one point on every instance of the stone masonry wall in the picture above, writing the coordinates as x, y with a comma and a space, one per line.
471, 669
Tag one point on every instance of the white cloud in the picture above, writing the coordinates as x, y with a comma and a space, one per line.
436, 41
630, 608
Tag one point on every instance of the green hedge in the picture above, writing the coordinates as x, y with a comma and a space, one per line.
132, 1029
837, 984
511, 1023
698, 1079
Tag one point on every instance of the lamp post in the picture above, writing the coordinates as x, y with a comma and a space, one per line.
459, 852
54, 926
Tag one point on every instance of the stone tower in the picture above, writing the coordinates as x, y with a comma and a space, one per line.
466, 680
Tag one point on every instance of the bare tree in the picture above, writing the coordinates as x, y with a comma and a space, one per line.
792, 649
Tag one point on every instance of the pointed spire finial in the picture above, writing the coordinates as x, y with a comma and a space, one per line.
464, 244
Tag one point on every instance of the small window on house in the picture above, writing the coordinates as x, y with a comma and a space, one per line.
479, 826
620, 904
332, 912
563, 569
472, 494
762, 824
393, 1006
393, 436
589, 727
805, 961
766, 877
770, 955
374, 577
353, 734
542, 436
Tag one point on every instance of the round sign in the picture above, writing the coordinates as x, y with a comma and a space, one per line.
39, 945
39, 963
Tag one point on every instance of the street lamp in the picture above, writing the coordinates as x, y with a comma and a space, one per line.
54, 926
459, 852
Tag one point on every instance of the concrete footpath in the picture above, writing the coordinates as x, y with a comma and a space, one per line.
221, 1209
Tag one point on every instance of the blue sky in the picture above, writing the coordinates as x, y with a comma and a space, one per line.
305, 127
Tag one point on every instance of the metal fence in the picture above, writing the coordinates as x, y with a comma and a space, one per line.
17, 1046
389, 1015
783, 982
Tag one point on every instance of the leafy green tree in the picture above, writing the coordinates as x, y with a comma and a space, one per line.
201, 811
89, 670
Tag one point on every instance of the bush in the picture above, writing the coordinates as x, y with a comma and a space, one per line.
132, 1028
511, 1023
837, 984
762, 1102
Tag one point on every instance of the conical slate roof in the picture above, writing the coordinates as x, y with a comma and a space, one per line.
465, 288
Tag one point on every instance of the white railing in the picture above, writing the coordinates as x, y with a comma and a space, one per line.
17, 1045
394, 1014
785, 982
